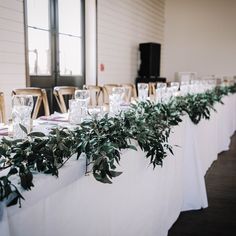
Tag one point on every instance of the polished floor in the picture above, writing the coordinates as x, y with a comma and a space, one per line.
219, 219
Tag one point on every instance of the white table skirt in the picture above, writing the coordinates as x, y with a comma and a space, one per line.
141, 201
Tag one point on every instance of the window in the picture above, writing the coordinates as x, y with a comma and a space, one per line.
55, 37
39, 37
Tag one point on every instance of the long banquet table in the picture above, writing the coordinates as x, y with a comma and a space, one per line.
141, 201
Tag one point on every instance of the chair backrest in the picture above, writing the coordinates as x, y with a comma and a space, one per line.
107, 90
60, 92
95, 92
2, 108
129, 91
185, 76
41, 98
133, 89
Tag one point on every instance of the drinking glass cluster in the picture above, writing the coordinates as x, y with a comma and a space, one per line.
164, 93
78, 107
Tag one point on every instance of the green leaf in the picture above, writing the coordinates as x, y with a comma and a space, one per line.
104, 179
26, 180
132, 147
12, 171
23, 128
12, 199
115, 173
36, 134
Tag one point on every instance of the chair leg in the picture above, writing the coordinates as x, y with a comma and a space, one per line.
36, 108
45, 102
63, 105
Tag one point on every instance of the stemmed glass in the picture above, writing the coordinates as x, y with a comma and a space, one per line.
22, 106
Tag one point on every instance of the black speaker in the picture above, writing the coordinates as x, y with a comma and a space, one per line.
150, 54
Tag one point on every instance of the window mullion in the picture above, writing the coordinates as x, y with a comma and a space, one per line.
54, 38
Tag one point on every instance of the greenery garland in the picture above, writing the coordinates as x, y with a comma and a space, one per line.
148, 123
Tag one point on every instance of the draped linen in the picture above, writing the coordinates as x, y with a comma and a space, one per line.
141, 201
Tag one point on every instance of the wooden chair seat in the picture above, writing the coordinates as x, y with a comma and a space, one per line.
41, 98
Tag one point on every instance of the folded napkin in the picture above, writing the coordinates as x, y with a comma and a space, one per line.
54, 118
4, 131
125, 104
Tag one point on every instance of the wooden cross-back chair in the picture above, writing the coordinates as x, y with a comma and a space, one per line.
2, 109
130, 91
107, 90
60, 92
95, 92
41, 99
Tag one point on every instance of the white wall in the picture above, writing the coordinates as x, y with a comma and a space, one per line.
90, 37
122, 25
200, 35
12, 54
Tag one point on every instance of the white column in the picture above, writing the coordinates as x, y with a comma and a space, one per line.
90, 42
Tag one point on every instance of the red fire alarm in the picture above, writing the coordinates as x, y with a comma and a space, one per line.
102, 67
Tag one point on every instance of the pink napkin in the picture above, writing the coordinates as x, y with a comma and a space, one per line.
125, 104
3, 131
53, 118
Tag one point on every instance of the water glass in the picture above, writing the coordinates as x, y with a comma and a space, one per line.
184, 88
160, 90
114, 104
174, 88
119, 92
167, 95
142, 91
96, 112
211, 83
22, 106
194, 86
82, 98
116, 98
75, 111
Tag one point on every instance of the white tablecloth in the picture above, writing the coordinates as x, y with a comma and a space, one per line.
140, 202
